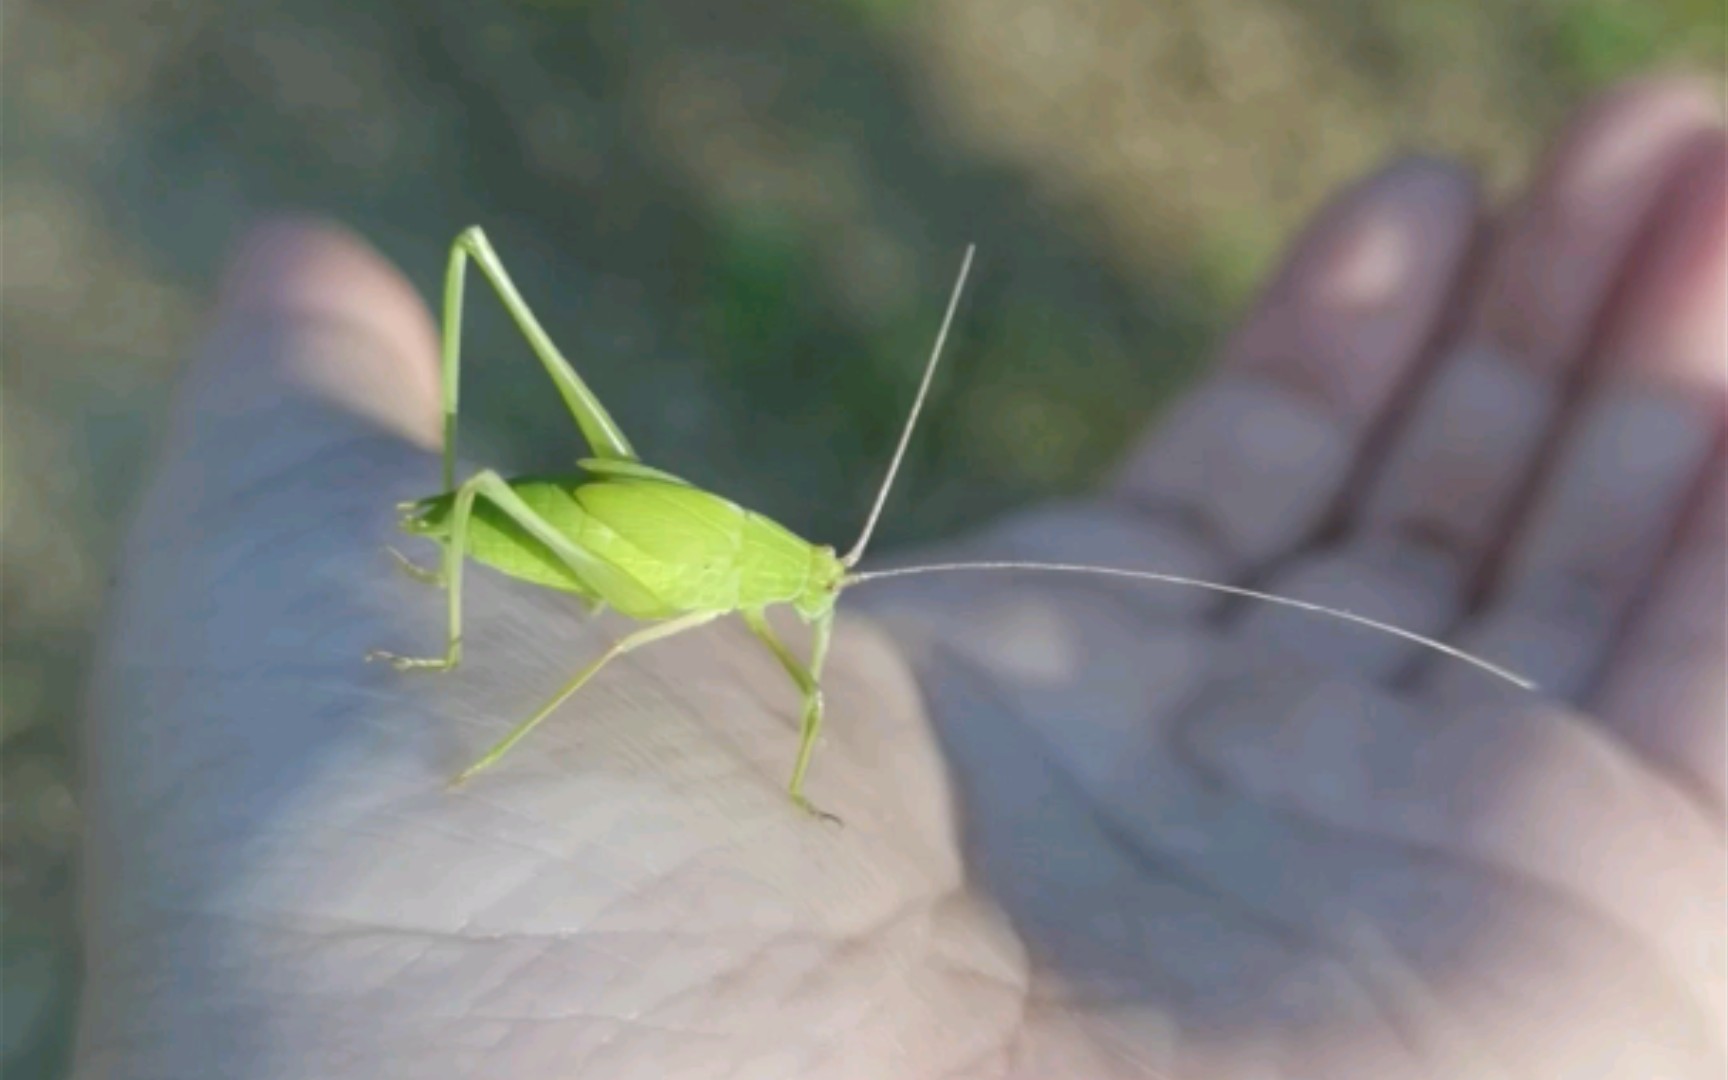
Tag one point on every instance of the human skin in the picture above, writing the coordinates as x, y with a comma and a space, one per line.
1089, 831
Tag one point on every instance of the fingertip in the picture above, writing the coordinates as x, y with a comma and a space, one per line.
1680, 95
1563, 247
1671, 326
1627, 136
1367, 257
300, 276
1358, 295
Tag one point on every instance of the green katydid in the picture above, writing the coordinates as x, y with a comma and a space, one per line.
664, 552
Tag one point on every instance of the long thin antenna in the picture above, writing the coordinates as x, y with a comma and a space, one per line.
857, 551
1172, 579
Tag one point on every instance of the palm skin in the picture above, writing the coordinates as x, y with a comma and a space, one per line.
1090, 832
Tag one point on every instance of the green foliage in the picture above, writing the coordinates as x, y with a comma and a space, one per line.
1597, 41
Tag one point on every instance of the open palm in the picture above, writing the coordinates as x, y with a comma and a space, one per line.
1090, 831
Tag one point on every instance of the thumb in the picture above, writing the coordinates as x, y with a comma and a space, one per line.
316, 340
292, 432
302, 410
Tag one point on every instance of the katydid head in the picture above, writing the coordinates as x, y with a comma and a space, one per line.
827, 577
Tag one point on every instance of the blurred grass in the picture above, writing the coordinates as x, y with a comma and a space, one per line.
743, 228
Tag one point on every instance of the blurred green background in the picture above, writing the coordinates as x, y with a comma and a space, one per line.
741, 225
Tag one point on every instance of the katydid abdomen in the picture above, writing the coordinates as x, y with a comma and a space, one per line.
687, 549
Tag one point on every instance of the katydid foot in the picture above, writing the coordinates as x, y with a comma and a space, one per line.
446, 662
415, 570
815, 811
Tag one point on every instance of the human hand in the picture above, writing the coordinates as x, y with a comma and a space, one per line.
1227, 842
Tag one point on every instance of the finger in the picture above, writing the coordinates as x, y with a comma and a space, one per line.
1634, 448
1476, 430
1473, 438
1257, 455
1663, 690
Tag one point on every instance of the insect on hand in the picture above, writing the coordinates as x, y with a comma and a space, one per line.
662, 551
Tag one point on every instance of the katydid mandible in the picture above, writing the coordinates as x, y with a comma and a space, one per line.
664, 552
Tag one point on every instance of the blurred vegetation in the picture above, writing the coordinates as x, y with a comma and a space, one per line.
742, 228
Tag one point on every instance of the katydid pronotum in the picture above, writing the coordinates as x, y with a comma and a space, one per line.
664, 552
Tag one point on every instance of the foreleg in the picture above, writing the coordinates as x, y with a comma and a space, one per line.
809, 681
